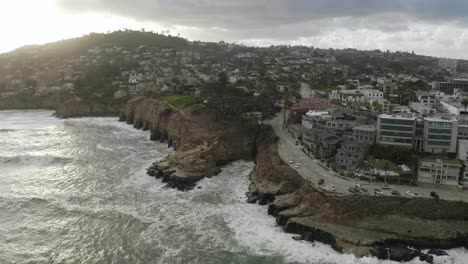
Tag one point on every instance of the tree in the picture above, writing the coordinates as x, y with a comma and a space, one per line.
464, 102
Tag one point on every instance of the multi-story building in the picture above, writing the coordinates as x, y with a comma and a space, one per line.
352, 96
426, 97
310, 118
436, 135
440, 135
462, 154
349, 154
358, 96
450, 86
340, 125
364, 134
320, 143
439, 171
396, 130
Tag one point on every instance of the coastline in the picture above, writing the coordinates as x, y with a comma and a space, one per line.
378, 226
384, 227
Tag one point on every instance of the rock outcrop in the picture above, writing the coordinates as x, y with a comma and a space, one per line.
202, 144
386, 227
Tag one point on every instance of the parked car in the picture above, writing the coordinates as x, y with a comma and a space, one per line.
332, 188
363, 190
291, 161
352, 190
386, 187
378, 192
410, 193
396, 193
321, 181
435, 195
297, 166
358, 185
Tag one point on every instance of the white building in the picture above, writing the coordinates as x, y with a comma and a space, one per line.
312, 117
440, 134
439, 171
358, 96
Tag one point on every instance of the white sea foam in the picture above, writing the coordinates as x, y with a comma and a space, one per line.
100, 147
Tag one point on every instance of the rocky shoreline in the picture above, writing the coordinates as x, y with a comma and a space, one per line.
202, 144
395, 228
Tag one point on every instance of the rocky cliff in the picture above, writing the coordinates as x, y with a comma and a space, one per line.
77, 107
381, 226
202, 144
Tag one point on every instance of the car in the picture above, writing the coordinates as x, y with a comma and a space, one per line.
321, 181
435, 195
352, 190
291, 161
363, 190
358, 185
396, 193
297, 166
386, 187
409, 193
332, 188
378, 192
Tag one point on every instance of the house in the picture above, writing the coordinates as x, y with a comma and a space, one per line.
365, 134
340, 125
320, 143
349, 154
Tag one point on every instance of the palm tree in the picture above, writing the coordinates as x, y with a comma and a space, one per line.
385, 167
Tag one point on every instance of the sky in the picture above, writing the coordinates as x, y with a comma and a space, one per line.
429, 27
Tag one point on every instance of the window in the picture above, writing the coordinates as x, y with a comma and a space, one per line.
438, 143
440, 124
401, 122
396, 128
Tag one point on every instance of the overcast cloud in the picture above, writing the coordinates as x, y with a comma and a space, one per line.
433, 27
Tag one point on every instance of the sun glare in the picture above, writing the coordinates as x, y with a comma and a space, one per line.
25, 22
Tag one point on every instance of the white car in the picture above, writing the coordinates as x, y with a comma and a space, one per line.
297, 166
291, 161
358, 185
332, 188
410, 193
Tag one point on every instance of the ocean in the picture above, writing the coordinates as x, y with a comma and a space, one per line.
76, 191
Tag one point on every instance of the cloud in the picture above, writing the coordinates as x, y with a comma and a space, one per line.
288, 21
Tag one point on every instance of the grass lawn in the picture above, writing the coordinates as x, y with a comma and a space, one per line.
179, 101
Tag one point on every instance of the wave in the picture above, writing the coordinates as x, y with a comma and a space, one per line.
32, 159
101, 147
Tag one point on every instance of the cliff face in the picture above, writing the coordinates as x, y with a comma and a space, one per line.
357, 223
23, 102
202, 144
76, 107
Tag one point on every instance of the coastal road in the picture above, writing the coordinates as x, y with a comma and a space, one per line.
313, 170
